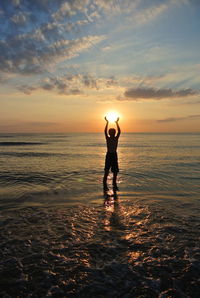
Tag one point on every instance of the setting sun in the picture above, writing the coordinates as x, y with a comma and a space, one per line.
112, 116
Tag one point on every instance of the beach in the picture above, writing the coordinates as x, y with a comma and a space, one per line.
61, 236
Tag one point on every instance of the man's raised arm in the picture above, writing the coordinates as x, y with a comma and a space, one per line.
106, 128
118, 128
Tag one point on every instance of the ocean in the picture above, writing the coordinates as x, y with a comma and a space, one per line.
61, 236
67, 169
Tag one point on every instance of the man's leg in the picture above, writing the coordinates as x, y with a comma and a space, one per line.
105, 179
115, 170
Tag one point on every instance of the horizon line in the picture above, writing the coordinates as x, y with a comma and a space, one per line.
79, 132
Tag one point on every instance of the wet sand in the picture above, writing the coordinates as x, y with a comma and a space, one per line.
118, 249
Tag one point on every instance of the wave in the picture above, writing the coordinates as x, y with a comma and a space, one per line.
6, 136
188, 165
30, 154
20, 143
184, 146
39, 178
190, 178
18, 178
44, 154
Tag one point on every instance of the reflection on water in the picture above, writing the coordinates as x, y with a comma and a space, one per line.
115, 249
111, 211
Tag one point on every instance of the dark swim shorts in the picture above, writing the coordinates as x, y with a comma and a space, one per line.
111, 162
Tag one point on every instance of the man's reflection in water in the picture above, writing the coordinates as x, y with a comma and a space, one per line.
110, 198
113, 214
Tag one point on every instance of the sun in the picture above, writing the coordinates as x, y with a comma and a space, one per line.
112, 116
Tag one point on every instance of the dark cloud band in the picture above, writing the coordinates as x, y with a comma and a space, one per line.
157, 94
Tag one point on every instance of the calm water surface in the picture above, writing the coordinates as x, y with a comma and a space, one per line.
48, 169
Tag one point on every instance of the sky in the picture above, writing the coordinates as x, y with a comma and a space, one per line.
65, 63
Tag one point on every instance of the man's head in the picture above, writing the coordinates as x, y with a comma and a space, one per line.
112, 132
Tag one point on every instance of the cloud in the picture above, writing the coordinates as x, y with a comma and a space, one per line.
174, 119
150, 13
107, 5
70, 8
20, 18
144, 12
30, 53
70, 84
178, 76
157, 94
38, 33
26, 89
63, 85
16, 2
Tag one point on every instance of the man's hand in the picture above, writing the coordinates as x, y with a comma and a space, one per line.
117, 120
106, 119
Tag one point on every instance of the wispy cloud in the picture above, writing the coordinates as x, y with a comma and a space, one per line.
70, 84
20, 18
148, 11
174, 119
39, 33
29, 53
177, 76
148, 14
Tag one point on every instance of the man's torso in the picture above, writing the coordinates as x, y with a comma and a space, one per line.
112, 144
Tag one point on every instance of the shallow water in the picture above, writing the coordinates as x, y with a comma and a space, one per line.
62, 237
119, 249
48, 169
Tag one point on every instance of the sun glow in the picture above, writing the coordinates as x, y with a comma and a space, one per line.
112, 116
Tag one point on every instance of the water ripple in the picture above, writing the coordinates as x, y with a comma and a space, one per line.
19, 143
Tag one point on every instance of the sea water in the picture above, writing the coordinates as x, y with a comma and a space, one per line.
61, 236
47, 169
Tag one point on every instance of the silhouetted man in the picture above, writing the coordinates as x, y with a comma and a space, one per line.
111, 161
